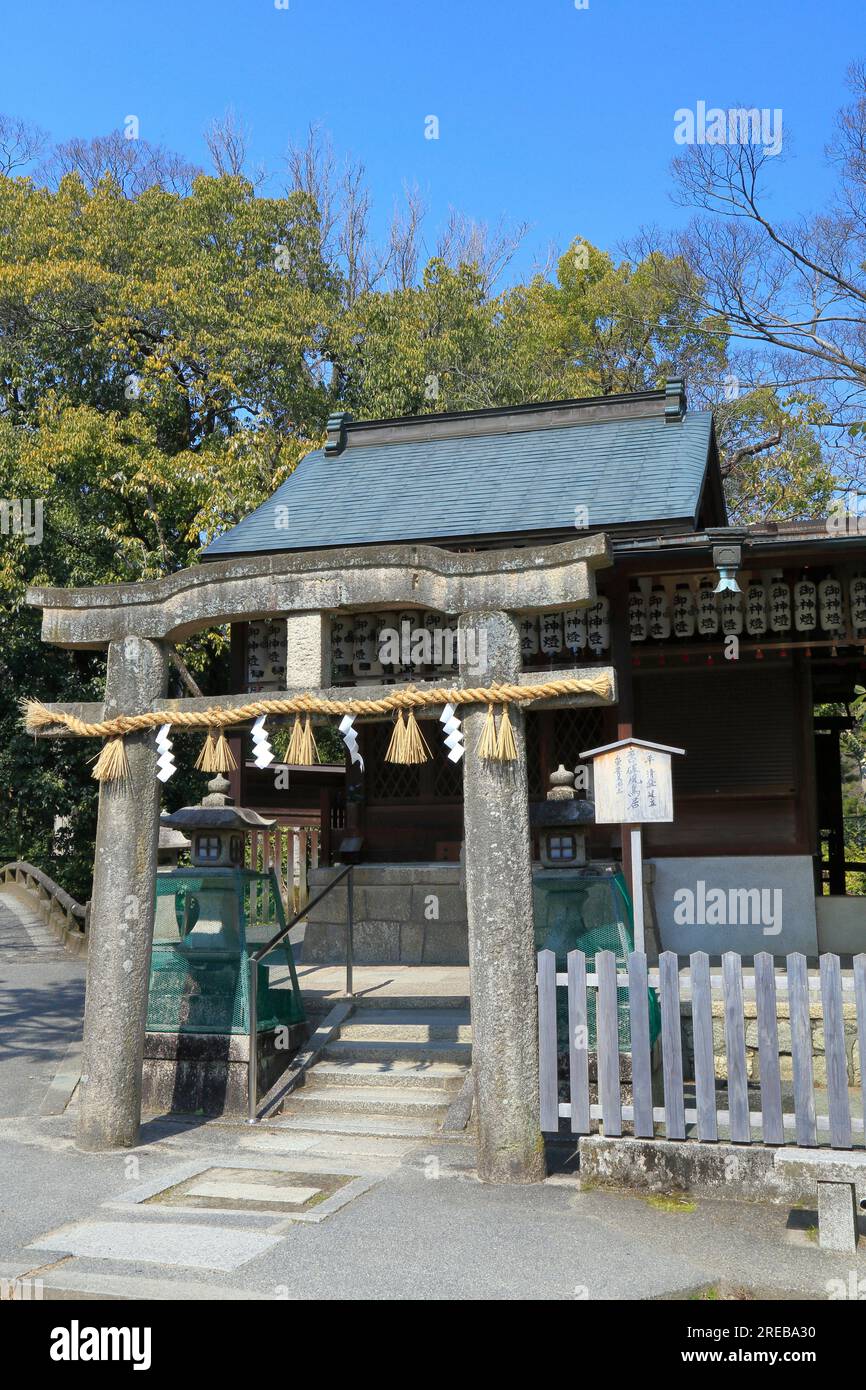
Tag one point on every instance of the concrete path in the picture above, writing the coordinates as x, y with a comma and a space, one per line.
286, 1211
215, 1212
41, 1006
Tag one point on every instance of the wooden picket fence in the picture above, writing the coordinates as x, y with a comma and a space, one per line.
291, 850
657, 1072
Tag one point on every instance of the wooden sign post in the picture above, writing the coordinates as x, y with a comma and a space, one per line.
631, 785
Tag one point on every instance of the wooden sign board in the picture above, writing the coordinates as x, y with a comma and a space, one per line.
632, 784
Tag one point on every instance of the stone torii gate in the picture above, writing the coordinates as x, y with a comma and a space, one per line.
138, 623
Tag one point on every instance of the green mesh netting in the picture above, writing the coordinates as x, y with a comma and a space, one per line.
583, 910
207, 925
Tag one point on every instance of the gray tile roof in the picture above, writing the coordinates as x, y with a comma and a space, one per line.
629, 470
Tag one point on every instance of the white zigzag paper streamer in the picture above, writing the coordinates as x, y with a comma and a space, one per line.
350, 738
263, 753
165, 762
454, 735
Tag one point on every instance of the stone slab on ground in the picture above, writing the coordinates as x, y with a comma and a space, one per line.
254, 1192
161, 1243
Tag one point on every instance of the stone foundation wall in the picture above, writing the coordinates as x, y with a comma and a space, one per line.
852, 1045
406, 914
208, 1073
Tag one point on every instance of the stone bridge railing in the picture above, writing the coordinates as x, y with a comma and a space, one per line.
67, 918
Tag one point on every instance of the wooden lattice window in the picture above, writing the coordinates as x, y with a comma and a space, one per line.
535, 772
388, 781
438, 779
573, 731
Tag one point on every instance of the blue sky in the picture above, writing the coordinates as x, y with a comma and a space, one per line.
550, 114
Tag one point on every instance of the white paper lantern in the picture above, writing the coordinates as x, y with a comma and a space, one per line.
364, 628
857, 603
805, 606
550, 634
598, 626
387, 651
732, 613
779, 601
529, 635
437, 629
341, 642
707, 610
756, 610
830, 604
659, 614
450, 649
408, 622
574, 629
684, 611
276, 649
638, 623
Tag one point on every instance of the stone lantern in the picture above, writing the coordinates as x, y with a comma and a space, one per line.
217, 827
214, 913
211, 917
562, 843
171, 843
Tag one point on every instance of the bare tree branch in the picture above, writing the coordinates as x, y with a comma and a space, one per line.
20, 144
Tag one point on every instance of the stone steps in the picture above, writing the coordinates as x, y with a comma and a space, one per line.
392, 1025
369, 1050
390, 1073
401, 1072
432, 1101
394, 1003
340, 1122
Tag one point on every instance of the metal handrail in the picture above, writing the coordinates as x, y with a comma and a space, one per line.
257, 956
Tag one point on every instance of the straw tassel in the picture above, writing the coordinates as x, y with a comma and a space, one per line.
487, 741
205, 760
223, 758
415, 748
302, 750
293, 752
309, 749
506, 749
398, 741
111, 765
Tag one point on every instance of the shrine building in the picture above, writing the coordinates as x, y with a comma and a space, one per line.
482, 599
631, 484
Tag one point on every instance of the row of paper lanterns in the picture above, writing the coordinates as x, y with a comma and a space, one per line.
357, 641
575, 630
266, 654
357, 638
773, 606
763, 606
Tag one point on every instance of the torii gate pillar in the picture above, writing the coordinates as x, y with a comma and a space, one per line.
122, 910
502, 958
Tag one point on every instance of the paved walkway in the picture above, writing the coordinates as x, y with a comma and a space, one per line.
232, 1213
218, 1211
41, 1005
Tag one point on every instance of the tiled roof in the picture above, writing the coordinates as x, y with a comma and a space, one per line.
504, 478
